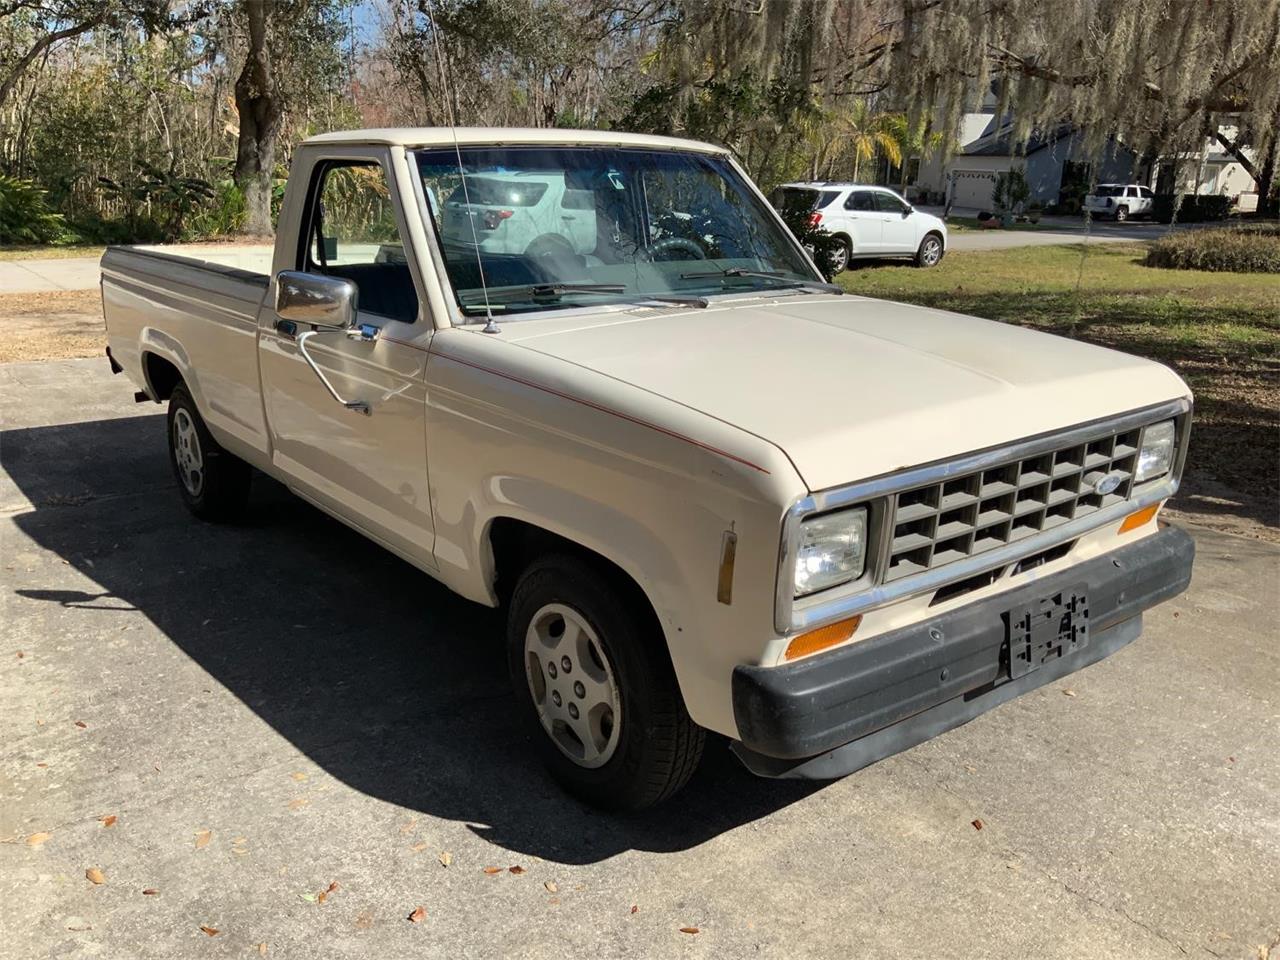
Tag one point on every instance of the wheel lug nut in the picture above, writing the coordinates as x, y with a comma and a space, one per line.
567, 664
555, 697
551, 668
573, 710
579, 690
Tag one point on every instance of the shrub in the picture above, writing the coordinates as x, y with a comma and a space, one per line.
25, 216
1252, 249
821, 243
1196, 208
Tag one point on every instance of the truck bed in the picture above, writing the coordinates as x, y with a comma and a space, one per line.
162, 309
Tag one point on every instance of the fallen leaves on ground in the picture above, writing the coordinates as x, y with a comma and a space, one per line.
635, 908
42, 765
95, 876
491, 871
209, 931
1068, 692
298, 804
299, 776
517, 870
107, 819
202, 838
419, 847
81, 724
78, 924
37, 838
323, 895
21, 654
150, 892
408, 827
419, 914
445, 858
551, 886
262, 949
690, 930
978, 824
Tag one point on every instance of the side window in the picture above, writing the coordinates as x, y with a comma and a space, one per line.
1131, 192
578, 200
1146, 193
861, 200
888, 203
353, 235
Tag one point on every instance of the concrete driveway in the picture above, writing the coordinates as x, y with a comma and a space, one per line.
224, 722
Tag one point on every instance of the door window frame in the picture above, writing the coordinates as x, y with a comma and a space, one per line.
340, 157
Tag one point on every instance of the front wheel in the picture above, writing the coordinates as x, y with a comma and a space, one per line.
930, 251
1122, 214
593, 680
214, 484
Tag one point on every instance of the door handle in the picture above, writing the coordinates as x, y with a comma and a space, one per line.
357, 405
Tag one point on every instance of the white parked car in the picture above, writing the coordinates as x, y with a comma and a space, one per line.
709, 491
522, 213
1120, 201
869, 222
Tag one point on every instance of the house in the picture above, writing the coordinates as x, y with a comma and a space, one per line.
1059, 168
1055, 163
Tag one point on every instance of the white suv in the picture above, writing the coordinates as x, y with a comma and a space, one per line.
869, 222
521, 213
1120, 200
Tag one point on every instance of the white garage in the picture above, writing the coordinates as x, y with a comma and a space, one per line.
972, 188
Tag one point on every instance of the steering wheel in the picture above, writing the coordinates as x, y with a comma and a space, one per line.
682, 244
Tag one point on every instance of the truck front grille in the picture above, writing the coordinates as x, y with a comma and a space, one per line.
940, 523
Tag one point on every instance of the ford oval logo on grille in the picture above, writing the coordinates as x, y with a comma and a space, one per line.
1108, 483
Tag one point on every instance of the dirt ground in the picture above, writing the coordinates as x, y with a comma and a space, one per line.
51, 326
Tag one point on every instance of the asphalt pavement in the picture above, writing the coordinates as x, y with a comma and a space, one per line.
270, 739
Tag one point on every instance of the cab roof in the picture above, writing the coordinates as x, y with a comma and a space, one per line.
502, 136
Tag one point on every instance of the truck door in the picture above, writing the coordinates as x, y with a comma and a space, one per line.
369, 469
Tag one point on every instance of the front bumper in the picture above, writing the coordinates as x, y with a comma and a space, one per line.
834, 713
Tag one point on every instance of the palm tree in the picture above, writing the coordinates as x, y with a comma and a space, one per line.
913, 141
868, 132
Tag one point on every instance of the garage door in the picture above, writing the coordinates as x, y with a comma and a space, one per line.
973, 188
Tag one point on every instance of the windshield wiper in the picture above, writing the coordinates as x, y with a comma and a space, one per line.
761, 274
540, 292
701, 302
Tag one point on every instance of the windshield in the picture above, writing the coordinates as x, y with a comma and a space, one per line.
560, 227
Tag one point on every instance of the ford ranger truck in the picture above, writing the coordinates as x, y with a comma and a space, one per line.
710, 491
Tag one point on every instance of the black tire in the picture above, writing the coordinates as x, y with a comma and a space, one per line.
657, 747
222, 490
1122, 214
930, 251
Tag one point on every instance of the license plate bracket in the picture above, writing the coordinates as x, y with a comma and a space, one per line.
1044, 630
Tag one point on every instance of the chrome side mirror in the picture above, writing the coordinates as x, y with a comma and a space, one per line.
315, 300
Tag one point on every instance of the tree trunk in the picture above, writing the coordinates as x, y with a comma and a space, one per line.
261, 111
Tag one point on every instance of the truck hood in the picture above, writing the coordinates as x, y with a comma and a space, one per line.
850, 387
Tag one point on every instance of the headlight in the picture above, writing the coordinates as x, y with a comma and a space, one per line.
832, 550
1156, 456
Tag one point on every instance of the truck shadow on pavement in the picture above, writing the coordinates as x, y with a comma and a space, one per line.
380, 676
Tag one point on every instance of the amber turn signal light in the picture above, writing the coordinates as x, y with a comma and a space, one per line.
1134, 520
820, 639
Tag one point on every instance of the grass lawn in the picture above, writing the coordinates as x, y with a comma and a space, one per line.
50, 253
1219, 331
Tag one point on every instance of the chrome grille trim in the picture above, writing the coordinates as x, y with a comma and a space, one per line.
795, 615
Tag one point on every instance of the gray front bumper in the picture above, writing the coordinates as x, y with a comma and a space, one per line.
834, 713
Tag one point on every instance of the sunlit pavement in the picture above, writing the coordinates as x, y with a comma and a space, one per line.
226, 721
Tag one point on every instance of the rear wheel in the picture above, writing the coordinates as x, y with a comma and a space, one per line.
840, 256
1122, 214
214, 484
929, 252
595, 684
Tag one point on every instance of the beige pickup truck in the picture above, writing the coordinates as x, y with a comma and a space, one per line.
591, 378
